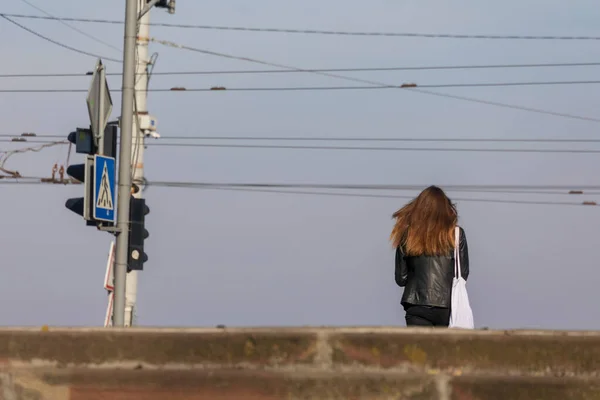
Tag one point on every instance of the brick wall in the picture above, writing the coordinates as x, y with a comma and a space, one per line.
303, 363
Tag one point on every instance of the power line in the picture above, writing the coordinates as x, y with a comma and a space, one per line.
418, 187
375, 83
379, 139
334, 139
46, 38
284, 71
72, 27
359, 148
495, 188
506, 105
268, 189
562, 203
463, 98
476, 191
321, 88
320, 32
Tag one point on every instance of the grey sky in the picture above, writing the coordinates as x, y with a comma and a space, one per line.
272, 259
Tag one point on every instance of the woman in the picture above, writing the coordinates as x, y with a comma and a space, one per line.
424, 240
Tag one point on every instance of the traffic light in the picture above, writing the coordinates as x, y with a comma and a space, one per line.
83, 139
85, 143
109, 141
137, 234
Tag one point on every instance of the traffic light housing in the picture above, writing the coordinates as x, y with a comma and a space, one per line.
83, 173
109, 141
83, 139
168, 4
105, 145
85, 143
137, 234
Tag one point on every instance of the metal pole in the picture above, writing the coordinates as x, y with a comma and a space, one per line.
124, 191
137, 147
99, 123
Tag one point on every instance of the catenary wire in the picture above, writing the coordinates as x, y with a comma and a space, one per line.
74, 28
573, 189
342, 139
284, 71
354, 148
449, 187
28, 181
46, 38
378, 139
376, 83
378, 188
362, 148
320, 88
319, 32
364, 195
463, 98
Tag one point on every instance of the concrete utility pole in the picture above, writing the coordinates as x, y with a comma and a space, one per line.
124, 185
140, 125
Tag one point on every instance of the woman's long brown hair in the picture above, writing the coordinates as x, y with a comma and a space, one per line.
425, 226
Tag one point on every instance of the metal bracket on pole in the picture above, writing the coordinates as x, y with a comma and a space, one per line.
147, 8
111, 229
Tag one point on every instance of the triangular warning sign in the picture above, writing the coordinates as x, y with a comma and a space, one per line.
105, 195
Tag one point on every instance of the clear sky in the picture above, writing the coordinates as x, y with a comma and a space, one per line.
239, 258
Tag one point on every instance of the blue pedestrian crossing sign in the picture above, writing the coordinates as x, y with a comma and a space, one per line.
104, 188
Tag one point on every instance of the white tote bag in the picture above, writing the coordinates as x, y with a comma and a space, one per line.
461, 315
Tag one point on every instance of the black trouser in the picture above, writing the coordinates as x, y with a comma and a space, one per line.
427, 316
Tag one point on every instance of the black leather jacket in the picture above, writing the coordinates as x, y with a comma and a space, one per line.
427, 280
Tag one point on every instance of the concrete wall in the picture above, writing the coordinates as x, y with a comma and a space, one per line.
298, 363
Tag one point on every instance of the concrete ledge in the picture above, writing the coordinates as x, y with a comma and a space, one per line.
95, 384
238, 384
536, 353
97, 347
297, 363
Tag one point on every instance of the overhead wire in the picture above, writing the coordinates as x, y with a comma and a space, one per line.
375, 83
358, 148
463, 98
335, 139
320, 31
571, 189
271, 188
363, 148
285, 71
321, 88
254, 189
48, 39
380, 139
366, 195
268, 189
92, 37
418, 187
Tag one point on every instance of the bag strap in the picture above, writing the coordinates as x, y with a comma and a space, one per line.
457, 273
